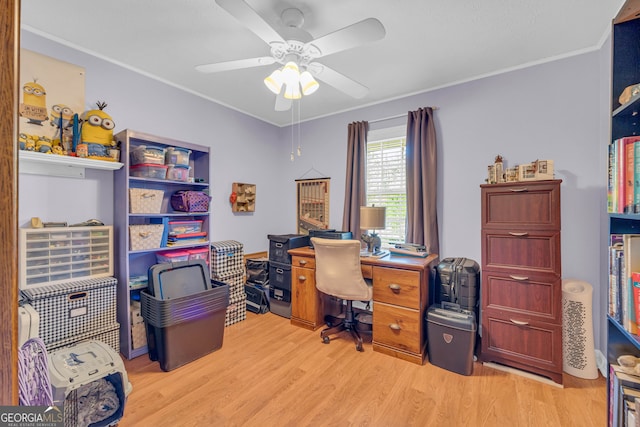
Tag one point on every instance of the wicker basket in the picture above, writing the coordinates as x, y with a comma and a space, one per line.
144, 200
148, 236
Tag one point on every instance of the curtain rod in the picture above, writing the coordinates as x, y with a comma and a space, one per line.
393, 117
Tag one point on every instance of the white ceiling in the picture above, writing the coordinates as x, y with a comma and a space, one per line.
428, 43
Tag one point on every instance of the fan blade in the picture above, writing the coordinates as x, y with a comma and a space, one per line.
337, 80
282, 103
235, 65
250, 19
362, 32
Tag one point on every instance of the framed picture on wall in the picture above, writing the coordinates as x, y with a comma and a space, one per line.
51, 92
313, 204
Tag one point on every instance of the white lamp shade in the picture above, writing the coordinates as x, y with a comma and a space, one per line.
372, 218
308, 83
274, 81
291, 74
292, 91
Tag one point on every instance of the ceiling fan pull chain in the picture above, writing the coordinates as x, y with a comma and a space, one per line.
299, 147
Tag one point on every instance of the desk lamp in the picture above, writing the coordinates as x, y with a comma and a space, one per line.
372, 218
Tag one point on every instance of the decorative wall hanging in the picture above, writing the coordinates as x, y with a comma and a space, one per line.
313, 204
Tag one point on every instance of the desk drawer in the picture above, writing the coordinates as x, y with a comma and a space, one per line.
398, 287
397, 327
302, 261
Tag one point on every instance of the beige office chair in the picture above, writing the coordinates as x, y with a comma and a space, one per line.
338, 273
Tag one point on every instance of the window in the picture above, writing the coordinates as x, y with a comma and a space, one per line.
386, 180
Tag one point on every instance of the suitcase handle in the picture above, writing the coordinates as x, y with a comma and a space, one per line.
520, 278
450, 306
518, 322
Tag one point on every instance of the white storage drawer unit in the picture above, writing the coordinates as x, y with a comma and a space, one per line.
62, 254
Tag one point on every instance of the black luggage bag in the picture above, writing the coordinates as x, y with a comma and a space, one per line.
458, 281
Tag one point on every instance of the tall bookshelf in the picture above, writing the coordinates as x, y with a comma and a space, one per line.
133, 264
624, 122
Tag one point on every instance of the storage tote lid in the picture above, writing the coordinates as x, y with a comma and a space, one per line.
226, 245
68, 287
284, 238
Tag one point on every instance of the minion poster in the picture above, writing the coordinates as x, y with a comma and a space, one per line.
52, 92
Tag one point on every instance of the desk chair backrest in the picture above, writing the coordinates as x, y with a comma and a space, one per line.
338, 271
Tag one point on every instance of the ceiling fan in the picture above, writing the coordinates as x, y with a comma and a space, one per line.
294, 45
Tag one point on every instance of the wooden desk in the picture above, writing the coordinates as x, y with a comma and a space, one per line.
400, 299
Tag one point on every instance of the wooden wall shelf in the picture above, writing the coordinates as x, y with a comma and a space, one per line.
245, 197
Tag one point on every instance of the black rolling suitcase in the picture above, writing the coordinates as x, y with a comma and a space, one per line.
458, 281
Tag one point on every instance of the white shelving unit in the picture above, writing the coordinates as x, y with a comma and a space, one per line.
54, 165
132, 264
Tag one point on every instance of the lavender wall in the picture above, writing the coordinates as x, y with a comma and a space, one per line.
550, 111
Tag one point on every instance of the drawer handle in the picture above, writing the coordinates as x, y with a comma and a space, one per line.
395, 288
303, 261
519, 190
518, 234
518, 322
302, 278
394, 326
521, 278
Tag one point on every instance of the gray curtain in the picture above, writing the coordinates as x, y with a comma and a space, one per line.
355, 192
422, 216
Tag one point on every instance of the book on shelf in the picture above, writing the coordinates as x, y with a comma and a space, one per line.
631, 247
624, 389
623, 191
616, 255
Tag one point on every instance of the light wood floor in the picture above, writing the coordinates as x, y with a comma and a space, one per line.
269, 373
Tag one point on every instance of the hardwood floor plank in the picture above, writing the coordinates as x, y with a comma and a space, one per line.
269, 373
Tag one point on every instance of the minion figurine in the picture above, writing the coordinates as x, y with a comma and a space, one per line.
61, 116
43, 144
34, 103
22, 141
97, 131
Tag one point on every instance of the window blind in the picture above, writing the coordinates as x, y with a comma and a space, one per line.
386, 184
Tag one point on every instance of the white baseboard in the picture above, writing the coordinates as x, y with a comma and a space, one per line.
601, 363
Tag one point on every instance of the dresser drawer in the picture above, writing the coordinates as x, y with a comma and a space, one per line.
399, 287
530, 344
531, 205
537, 297
397, 327
537, 251
301, 261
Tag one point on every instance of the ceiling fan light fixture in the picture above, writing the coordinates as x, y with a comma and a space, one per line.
291, 73
292, 91
308, 83
274, 81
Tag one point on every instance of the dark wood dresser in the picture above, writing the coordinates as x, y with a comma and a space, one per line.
521, 277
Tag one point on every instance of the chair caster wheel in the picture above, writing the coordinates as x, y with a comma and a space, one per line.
359, 347
325, 340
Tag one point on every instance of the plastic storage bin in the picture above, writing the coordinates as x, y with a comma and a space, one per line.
147, 154
147, 170
280, 244
172, 256
184, 227
183, 329
177, 156
199, 253
451, 337
178, 173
